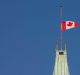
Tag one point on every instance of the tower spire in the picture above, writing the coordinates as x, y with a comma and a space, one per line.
56, 43
65, 47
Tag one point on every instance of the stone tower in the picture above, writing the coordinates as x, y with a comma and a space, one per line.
61, 63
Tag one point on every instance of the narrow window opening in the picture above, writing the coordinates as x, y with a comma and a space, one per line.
61, 53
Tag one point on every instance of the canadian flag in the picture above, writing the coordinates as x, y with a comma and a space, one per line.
68, 25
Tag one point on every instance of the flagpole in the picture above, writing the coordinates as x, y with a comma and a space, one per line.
61, 14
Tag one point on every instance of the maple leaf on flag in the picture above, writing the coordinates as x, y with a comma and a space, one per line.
70, 24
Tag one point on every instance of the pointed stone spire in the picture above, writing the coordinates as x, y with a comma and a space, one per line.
65, 47
56, 44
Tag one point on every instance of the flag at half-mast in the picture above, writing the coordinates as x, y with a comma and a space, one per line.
68, 25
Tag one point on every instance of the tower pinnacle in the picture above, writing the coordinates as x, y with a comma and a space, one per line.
56, 44
65, 47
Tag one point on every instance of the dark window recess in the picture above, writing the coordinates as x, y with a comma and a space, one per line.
61, 53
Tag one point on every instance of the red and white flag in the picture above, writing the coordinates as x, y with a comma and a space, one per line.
68, 25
